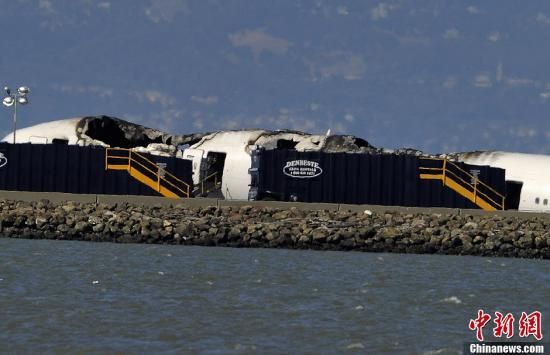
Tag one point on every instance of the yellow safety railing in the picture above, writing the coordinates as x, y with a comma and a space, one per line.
452, 176
146, 171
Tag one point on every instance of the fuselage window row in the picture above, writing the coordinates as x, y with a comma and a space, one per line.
544, 202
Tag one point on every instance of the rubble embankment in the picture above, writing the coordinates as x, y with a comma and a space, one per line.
265, 227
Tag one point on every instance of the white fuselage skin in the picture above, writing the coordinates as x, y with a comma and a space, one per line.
533, 170
44, 133
237, 145
235, 178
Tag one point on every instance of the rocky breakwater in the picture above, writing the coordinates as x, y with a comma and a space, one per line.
248, 226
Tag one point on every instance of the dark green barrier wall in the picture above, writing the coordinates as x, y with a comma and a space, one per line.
362, 179
73, 169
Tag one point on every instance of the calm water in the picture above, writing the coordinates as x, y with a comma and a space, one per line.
58, 296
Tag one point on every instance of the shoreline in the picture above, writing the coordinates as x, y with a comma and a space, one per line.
381, 229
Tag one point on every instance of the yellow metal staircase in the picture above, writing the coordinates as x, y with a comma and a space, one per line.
146, 172
455, 178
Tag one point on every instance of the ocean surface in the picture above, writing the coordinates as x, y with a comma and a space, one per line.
62, 296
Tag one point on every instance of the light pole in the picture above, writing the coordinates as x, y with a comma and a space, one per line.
19, 97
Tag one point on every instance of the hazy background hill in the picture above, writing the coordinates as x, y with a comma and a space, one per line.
434, 75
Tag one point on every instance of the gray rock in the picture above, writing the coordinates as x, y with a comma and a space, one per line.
63, 228
270, 227
98, 228
456, 232
183, 229
68, 208
389, 232
234, 233
145, 232
81, 227
478, 239
40, 221
525, 242
540, 242
319, 234
465, 239
271, 236
505, 247
94, 220
470, 226
489, 245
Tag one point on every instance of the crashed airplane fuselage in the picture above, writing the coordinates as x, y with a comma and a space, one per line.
226, 155
222, 156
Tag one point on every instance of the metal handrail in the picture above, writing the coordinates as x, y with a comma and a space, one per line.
461, 170
166, 172
157, 175
476, 191
158, 169
444, 170
479, 182
473, 177
215, 175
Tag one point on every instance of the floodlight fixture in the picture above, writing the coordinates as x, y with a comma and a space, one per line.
19, 97
23, 90
8, 101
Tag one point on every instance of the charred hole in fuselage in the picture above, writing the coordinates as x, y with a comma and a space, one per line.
343, 142
212, 174
286, 144
513, 194
107, 131
116, 133
361, 143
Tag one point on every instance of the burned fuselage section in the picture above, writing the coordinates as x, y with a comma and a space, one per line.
224, 160
238, 148
116, 132
221, 160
